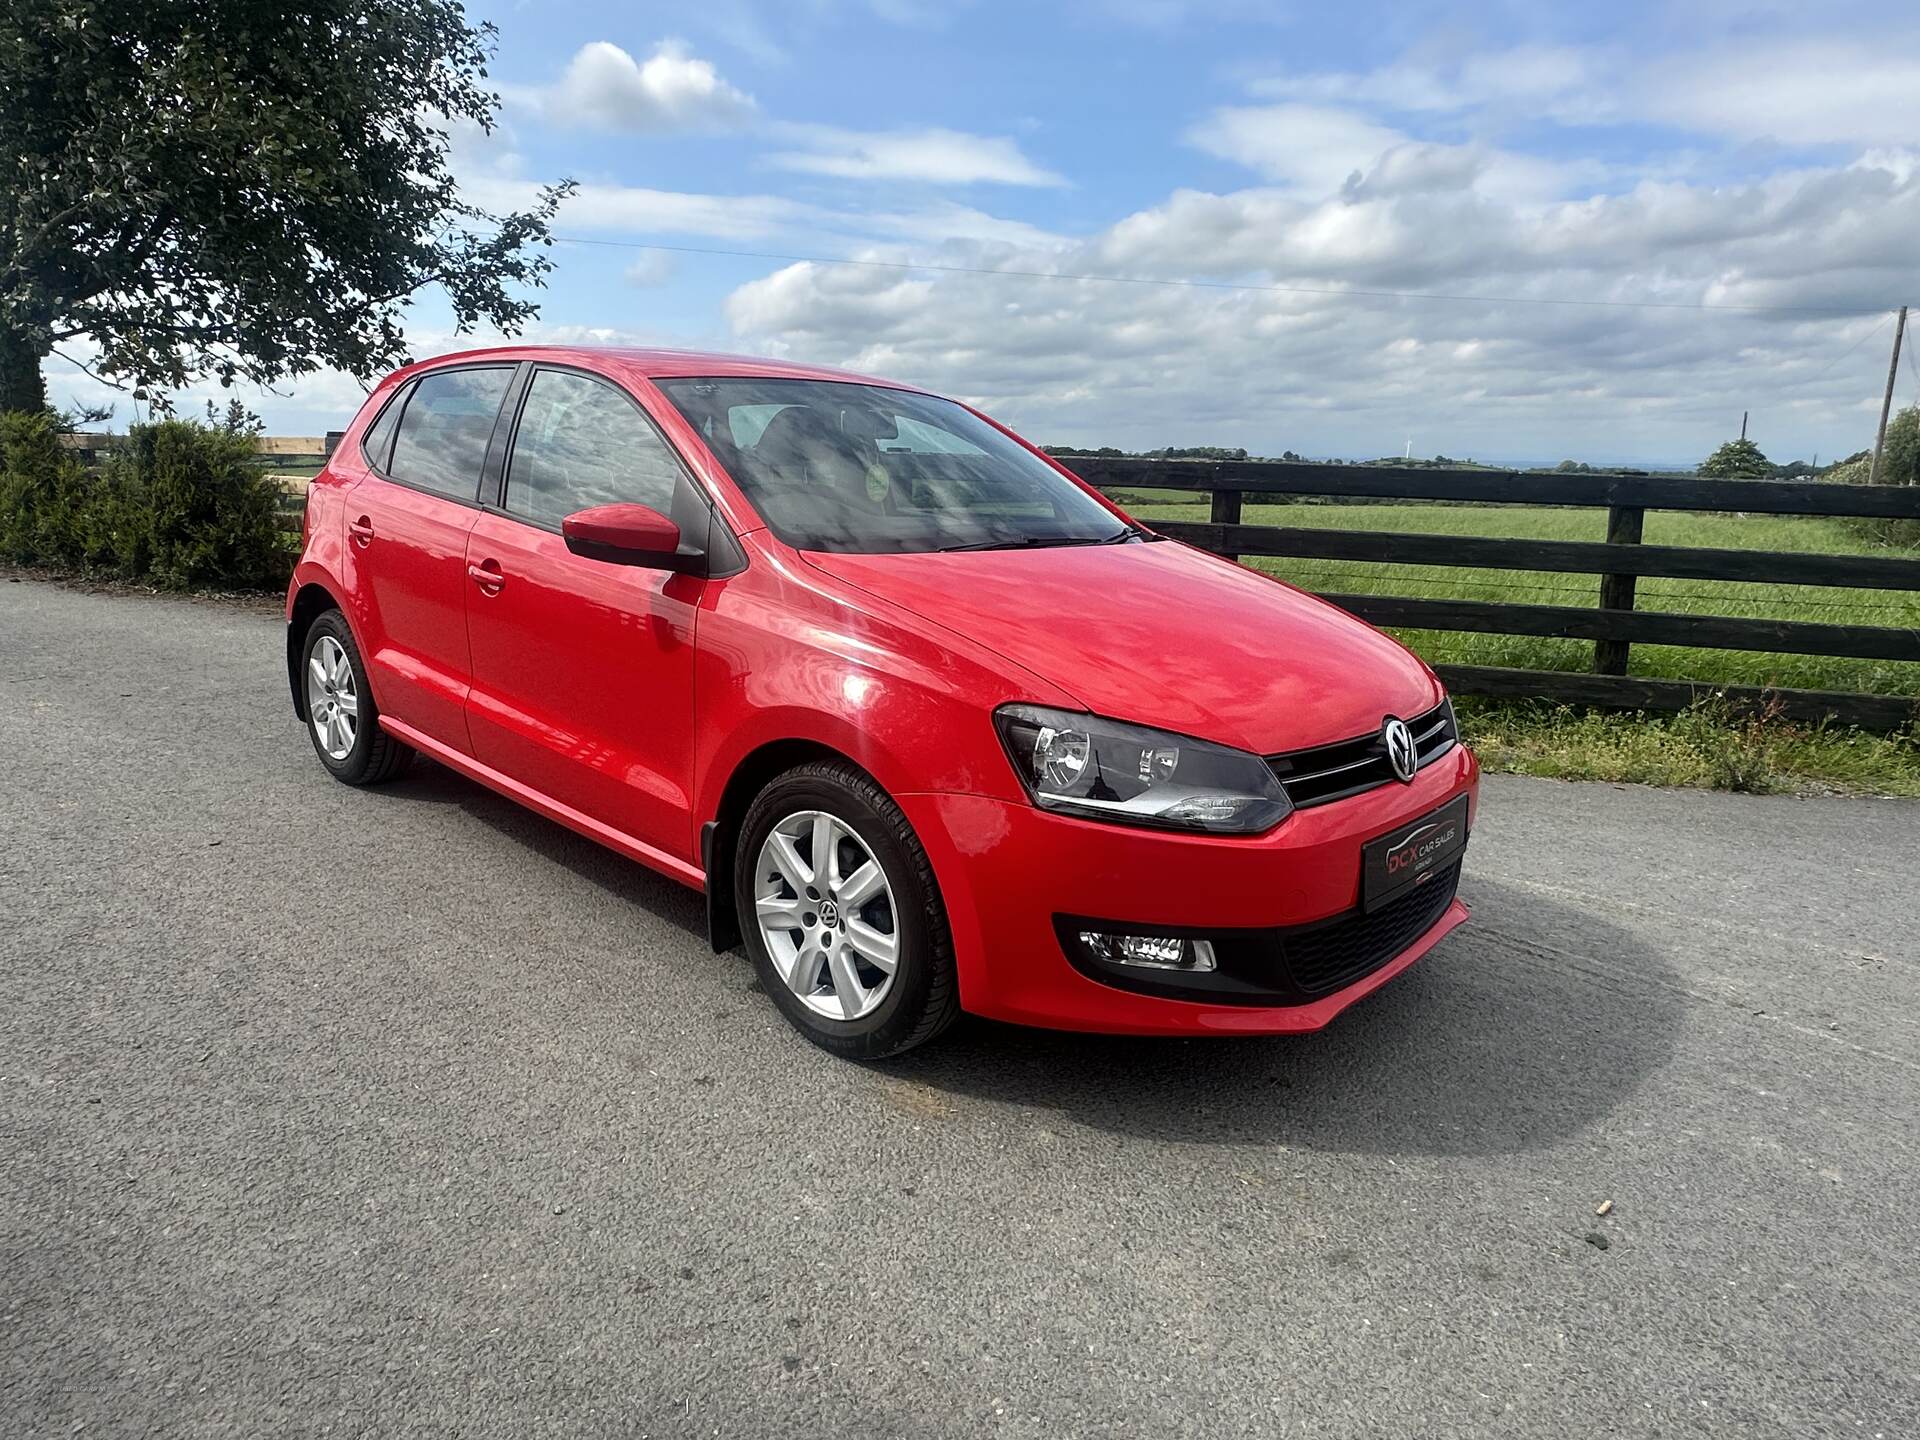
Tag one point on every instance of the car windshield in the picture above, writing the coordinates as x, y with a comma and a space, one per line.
848, 467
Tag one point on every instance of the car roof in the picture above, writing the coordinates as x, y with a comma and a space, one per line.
659, 364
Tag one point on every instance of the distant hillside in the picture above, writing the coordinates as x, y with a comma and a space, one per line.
1417, 462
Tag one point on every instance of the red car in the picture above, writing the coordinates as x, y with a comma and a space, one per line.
934, 725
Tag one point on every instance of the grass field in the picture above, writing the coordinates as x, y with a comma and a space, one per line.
1699, 597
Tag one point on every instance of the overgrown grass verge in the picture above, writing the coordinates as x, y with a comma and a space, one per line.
1705, 747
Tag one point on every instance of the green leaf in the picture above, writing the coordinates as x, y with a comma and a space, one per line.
245, 188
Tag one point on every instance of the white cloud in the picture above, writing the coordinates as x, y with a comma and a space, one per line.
327, 399
1315, 147
1523, 75
1313, 150
1819, 92
940, 157
1788, 176
944, 224
653, 268
740, 24
1815, 91
1078, 360
605, 205
638, 210
672, 90
474, 151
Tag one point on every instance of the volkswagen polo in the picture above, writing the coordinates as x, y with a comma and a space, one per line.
934, 725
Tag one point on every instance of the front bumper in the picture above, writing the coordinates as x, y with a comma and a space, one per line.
1008, 871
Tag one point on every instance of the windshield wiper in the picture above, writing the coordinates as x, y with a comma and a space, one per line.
1040, 542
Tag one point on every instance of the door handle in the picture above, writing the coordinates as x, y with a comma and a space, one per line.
487, 576
362, 532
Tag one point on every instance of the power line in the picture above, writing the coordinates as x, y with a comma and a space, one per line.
1831, 364
1829, 312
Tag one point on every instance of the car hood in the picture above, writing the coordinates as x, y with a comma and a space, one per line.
1162, 634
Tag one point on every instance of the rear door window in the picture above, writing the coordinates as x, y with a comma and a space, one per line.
441, 444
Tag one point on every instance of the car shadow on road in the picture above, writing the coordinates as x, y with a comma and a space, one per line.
428, 783
1524, 1027
1527, 1025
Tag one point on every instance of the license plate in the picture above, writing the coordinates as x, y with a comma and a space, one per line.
1413, 854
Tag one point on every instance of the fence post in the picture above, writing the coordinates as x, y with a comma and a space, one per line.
1624, 525
1226, 511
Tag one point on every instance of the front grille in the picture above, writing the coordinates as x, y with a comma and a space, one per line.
1348, 767
1326, 957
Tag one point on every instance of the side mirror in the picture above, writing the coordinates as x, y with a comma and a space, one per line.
630, 535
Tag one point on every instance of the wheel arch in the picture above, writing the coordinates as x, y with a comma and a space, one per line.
720, 836
308, 603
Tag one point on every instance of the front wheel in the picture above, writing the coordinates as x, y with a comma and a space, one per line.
841, 914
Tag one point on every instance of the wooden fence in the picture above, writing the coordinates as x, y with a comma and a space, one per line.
299, 451
1614, 625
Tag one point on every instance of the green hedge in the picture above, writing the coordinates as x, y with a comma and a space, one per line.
1899, 465
179, 504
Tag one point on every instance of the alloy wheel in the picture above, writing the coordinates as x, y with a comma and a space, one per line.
826, 914
333, 703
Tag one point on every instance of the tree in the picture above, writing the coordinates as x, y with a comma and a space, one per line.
1737, 460
250, 189
1900, 461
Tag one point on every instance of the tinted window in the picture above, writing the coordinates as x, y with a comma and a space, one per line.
581, 443
377, 443
442, 441
838, 466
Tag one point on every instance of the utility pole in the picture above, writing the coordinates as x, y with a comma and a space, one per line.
1743, 424
1893, 373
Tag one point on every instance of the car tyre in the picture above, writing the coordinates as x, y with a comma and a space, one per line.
819, 941
342, 721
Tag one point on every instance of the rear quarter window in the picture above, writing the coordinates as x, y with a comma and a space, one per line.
376, 445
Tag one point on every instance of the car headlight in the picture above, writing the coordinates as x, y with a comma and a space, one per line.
1106, 770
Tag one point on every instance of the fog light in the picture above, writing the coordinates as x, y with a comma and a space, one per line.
1149, 952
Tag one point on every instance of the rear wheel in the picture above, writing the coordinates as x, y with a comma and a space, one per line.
342, 720
841, 915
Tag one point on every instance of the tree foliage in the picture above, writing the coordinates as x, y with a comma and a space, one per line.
1165, 452
1737, 460
1900, 461
250, 189
1899, 465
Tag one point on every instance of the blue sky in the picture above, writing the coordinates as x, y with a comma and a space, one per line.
1739, 183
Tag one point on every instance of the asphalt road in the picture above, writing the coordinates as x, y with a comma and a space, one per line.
405, 1113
